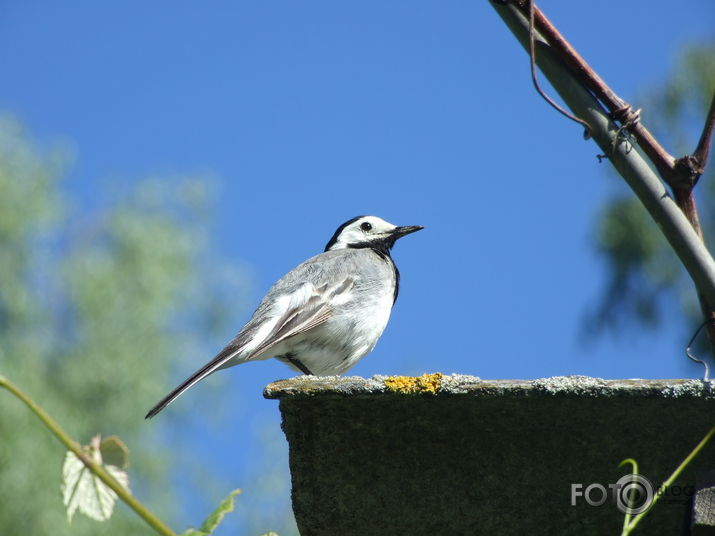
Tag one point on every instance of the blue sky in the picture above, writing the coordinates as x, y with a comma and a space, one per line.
307, 114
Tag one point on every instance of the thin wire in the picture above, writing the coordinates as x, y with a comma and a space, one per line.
692, 357
532, 58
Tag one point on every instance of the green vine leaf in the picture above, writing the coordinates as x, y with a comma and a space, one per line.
82, 490
213, 520
114, 452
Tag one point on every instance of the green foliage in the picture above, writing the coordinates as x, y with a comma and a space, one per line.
114, 452
213, 520
83, 490
640, 263
94, 307
630, 522
96, 310
644, 278
91, 484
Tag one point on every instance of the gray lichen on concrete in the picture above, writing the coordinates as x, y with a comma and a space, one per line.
582, 386
454, 454
704, 509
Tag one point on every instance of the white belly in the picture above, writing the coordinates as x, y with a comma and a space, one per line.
334, 347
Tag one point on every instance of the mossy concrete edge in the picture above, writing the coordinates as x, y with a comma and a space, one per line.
460, 384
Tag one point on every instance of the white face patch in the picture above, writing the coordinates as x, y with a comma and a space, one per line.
365, 229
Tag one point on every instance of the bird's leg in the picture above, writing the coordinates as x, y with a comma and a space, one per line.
297, 364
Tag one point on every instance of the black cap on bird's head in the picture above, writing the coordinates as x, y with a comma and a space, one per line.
368, 232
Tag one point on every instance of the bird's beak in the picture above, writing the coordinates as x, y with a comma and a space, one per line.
399, 232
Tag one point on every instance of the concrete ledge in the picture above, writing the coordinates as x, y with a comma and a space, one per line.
459, 455
457, 384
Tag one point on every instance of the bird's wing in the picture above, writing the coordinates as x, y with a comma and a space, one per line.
281, 317
306, 316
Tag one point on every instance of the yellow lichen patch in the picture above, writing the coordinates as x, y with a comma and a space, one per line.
427, 383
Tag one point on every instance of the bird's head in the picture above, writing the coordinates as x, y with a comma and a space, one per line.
368, 232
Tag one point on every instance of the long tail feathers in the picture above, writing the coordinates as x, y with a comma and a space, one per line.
210, 367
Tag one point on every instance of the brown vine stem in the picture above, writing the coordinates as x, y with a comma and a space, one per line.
681, 174
699, 158
662, 160
678, 174
141, 510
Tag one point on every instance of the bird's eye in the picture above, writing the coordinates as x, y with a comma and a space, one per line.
366, 226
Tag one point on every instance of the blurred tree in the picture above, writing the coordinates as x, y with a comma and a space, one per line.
645, 281
93, 310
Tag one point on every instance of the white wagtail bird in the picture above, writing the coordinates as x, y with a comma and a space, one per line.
324, 315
